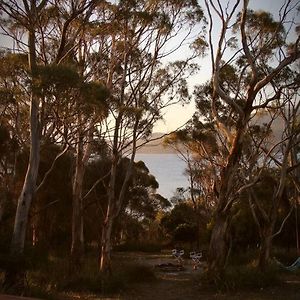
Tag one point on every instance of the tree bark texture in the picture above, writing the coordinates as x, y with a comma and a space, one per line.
115, 201
105, 259
16, 276
77, 218
265, 246
219, 243
29, 186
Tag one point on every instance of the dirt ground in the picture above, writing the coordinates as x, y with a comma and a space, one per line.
183, 285
8, 297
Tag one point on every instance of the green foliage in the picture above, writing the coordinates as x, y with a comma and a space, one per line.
182, 213
185, 233
265, 33
53, 79
13, 65
95, 93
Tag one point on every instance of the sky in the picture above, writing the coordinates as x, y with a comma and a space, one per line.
177, 115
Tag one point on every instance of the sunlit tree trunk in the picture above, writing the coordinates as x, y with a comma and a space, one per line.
105, 258
29, 186
82, 156
219, 243
115, 203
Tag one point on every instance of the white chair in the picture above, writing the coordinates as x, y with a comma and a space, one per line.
196, 257
178, 255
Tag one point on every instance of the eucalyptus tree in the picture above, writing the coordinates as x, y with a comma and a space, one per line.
31, 29
279, 154
13, 84
258, 50
77, 114
137, 38
27, 17
197, 146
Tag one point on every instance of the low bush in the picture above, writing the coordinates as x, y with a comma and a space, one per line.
54, 278
247, 277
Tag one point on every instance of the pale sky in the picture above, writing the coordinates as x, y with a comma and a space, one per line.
176, 116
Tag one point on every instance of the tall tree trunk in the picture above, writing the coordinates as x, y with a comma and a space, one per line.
29, 185
105, 259
266, 236
219, 245
115, 202
77, 217
77, 246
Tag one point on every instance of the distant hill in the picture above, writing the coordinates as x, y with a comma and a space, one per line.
277, 127
155, 145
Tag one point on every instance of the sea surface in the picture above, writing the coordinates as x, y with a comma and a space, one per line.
168, 170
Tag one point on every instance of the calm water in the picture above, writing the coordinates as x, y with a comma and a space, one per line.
168, 170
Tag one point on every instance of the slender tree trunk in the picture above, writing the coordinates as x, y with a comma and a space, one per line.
77, 226
76, 247
29, 186
105, 259
114, 202
265, 246
15, 276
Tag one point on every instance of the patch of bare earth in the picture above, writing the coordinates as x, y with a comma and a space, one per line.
182, 285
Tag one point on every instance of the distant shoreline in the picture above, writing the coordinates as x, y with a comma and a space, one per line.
156, 145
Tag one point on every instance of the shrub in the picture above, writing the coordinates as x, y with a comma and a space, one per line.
54, 277
243, 278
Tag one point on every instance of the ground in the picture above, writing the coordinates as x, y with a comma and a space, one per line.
184, 285
8, 297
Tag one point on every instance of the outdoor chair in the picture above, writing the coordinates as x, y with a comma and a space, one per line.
178, 255
196, 256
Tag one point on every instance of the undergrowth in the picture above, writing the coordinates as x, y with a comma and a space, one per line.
52, 278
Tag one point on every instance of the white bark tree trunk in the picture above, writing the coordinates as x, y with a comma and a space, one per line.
29, 186
82, 157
